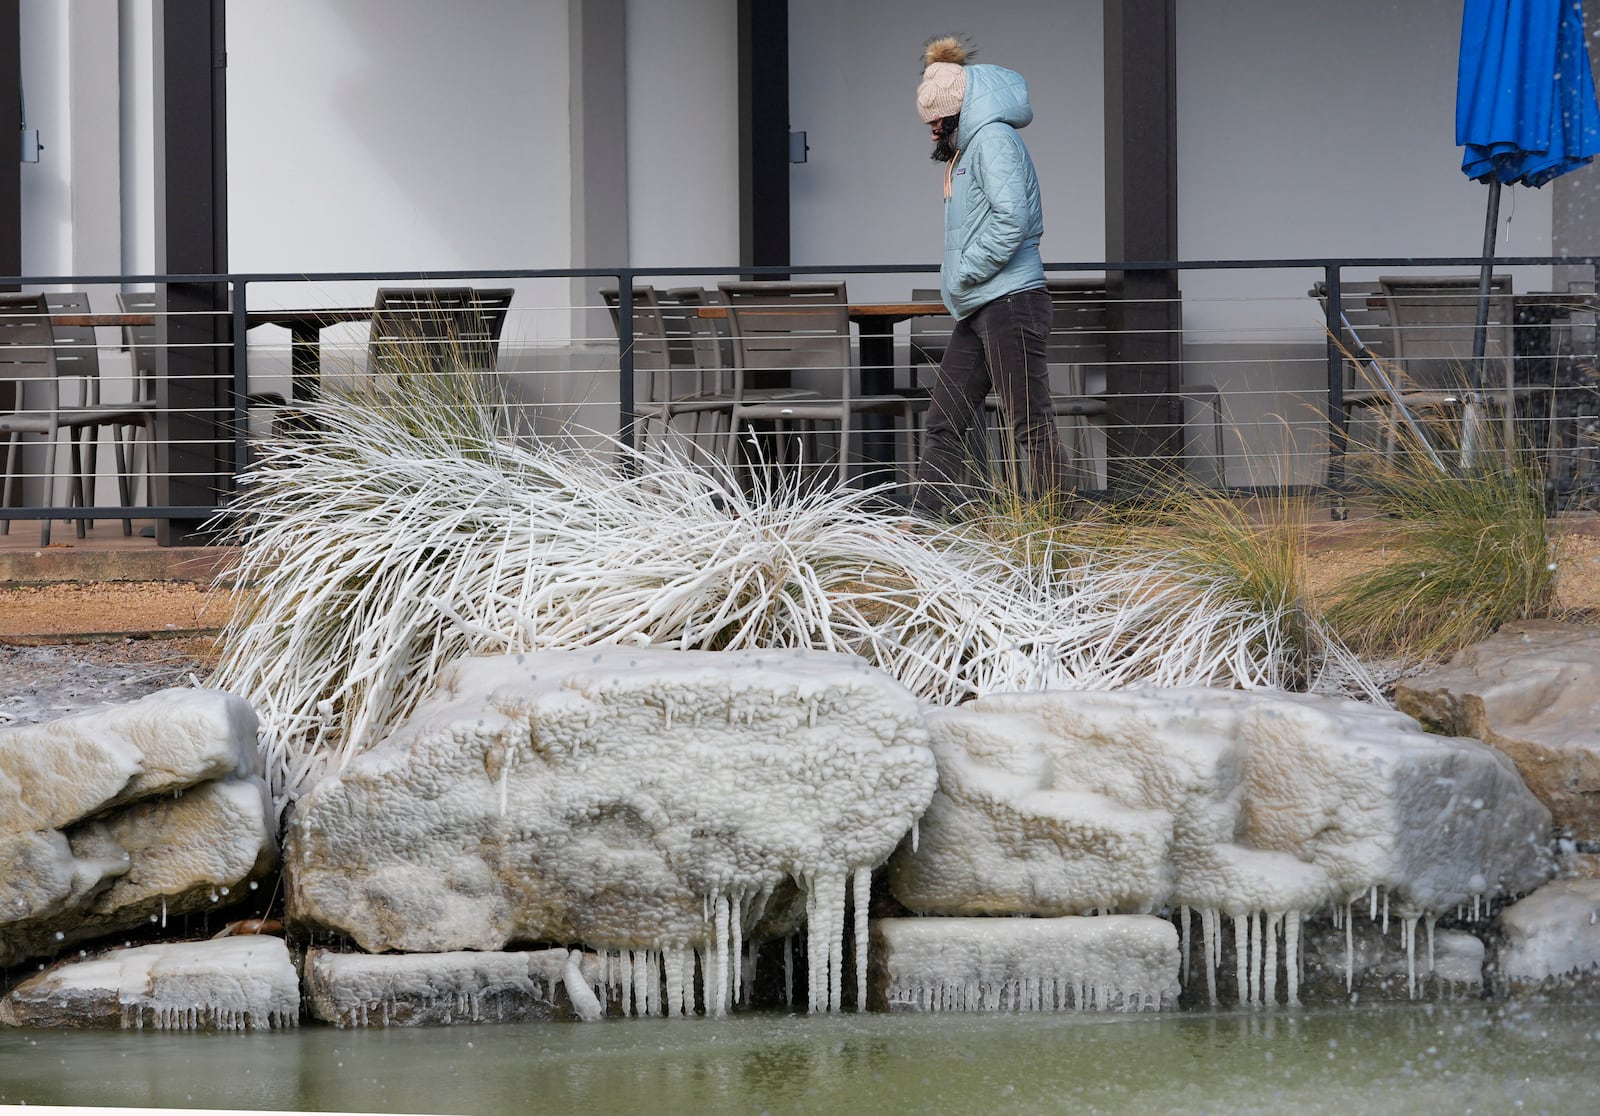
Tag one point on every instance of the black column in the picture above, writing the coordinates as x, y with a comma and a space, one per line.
764, 132
1146, 347
11, 175
194, 433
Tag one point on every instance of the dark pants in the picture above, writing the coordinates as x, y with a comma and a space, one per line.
1001, 348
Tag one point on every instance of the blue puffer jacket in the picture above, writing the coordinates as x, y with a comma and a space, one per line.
992, 219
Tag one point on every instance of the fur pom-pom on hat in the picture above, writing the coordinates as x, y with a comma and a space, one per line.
944, 77
944, 48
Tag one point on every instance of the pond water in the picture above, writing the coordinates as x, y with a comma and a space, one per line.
1459, 1057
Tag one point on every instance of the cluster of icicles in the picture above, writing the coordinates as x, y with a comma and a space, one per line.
1257, 934
662, 981
172, 1017
1043, 994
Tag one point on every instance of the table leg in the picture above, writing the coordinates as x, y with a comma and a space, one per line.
877, 378
305, 360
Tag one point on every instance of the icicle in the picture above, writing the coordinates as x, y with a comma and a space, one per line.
1410, 927
1269, 987
1258, 929
862, 903
579, 993
625, 980
915, 825
1291, 956
1373, 892
688, 981
1208, 934
1386, 913
1241, 958
163, 912
838, 889
641, 982
719, 946
735, 941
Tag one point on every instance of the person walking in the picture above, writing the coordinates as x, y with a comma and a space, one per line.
991, 278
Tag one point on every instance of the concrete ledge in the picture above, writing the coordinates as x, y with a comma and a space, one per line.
42, 565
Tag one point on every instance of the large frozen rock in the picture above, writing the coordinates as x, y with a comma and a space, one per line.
1552, 939
624, 798
122, 815
226, 984
1236, 803
417, 989
1533, 691
1110, 963
61, 771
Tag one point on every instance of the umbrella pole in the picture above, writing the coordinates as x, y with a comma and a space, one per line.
1480, 334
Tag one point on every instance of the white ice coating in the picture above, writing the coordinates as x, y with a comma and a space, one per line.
1259, 807
1553, 934
629, 799
55, 773
397, 989
1104, 963
233, 983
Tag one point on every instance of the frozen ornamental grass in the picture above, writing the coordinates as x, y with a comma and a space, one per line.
403, 531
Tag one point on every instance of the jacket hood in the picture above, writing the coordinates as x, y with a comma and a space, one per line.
993, 93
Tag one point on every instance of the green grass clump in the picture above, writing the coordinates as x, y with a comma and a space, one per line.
1474, 547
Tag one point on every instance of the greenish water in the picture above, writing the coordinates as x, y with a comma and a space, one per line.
1471, 1057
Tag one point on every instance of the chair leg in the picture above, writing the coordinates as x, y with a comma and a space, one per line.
121, 437
49, 489
9, 486
844, 449
80, 485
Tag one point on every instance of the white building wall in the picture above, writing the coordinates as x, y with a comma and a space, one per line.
683, 133
373, 135
868, 192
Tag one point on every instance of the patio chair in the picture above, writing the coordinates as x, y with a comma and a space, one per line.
1435, 320
28, 360
664, 357
438, 329
798, 327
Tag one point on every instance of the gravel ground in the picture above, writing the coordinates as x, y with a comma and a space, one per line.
41, 683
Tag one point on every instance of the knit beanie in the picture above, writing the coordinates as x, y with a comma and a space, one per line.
944, 78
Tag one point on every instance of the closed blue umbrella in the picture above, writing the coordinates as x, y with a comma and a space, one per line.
1525, 107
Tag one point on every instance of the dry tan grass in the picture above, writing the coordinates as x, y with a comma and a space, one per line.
38, 613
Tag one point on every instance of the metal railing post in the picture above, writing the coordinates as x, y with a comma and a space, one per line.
241, 381
625, 433
1338, 415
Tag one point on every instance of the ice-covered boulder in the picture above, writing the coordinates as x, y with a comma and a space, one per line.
58, 772
629, 799
122, 815
417, 989
1533, 691
1552, 939
1257, 807
226, 984
1109, 963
